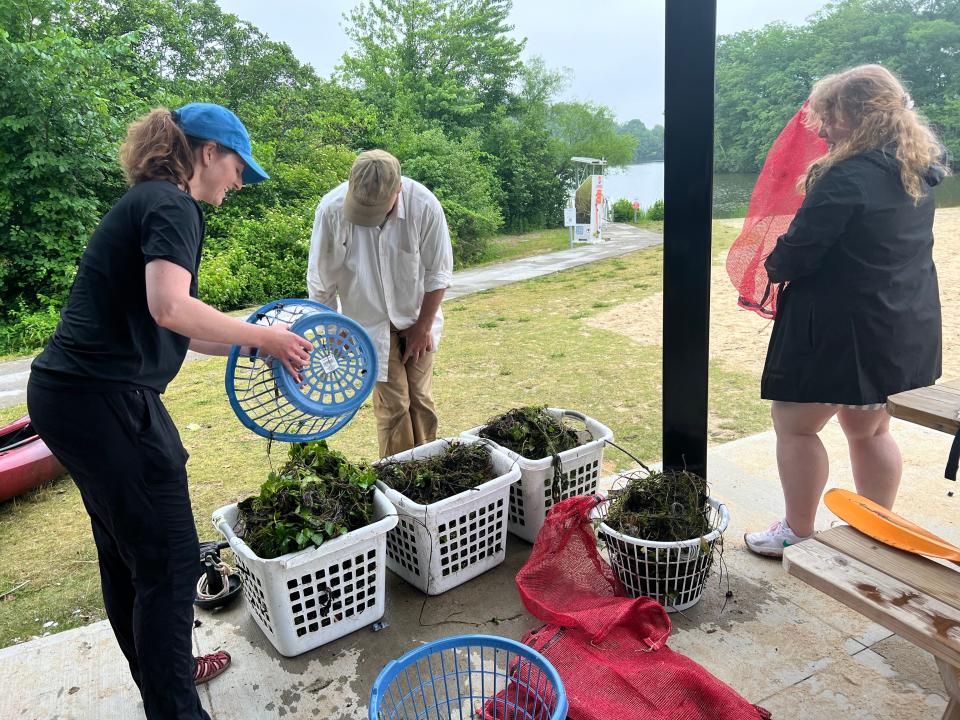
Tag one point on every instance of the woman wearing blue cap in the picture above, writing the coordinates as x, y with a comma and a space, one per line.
94, 392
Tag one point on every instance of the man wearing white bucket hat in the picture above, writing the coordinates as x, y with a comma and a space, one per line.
380, 242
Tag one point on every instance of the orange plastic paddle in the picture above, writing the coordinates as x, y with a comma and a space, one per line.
886, 526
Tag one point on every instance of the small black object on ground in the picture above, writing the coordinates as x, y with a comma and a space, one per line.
210, 592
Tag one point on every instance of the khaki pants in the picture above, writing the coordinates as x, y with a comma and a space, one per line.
403, 405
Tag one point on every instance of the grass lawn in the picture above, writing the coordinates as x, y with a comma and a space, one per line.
513, 247
501, 248
652, 225
530, 342
20, 355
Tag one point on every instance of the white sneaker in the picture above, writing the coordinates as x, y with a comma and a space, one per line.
771, 542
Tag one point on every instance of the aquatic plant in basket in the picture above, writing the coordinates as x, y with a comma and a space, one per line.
660, 506
461, 466
316, 496
451, 501
531, 432
661, 530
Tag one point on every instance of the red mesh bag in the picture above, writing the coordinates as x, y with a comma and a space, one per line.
610, 649
774, 202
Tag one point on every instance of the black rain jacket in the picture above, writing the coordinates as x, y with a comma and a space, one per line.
860, 317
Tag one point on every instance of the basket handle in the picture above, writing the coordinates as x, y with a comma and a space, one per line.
221, 524
579, 417
574, 414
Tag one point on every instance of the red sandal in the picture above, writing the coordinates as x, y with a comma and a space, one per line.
207, 667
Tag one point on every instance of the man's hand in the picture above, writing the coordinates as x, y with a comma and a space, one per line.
419, 341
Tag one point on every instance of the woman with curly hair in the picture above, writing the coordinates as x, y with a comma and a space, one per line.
859, 317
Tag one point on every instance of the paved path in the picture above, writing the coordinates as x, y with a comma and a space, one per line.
620, 240
13, 381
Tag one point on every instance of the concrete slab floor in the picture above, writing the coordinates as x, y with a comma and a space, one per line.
777, 641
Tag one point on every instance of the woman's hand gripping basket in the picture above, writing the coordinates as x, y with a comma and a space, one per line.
340, 375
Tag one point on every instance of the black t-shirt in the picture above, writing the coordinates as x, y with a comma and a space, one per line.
106, 338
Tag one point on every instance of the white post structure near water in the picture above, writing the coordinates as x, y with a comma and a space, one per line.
587, 201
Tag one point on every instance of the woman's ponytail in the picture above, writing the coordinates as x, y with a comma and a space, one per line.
155, 148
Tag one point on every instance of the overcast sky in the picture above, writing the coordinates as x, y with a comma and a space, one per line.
609, 51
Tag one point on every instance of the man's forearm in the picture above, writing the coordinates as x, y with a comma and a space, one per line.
430, 306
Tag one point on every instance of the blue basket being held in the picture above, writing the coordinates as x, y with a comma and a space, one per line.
469, 676
339, 376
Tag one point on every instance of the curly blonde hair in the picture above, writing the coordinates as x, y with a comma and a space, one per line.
871, 101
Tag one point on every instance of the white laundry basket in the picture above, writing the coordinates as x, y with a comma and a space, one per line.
533, 495
438, 546
672, 573
308, 598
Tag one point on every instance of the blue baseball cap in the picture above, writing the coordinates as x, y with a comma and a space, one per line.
207, 121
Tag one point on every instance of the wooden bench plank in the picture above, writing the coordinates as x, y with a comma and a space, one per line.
923, 574
925, 621
937, 406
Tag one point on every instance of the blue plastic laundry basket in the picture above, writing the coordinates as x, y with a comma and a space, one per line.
338, 378
342, 369
469, 676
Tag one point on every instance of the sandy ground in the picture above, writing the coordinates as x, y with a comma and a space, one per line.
738, 338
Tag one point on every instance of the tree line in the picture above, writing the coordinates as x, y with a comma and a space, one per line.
764, 76
440, 83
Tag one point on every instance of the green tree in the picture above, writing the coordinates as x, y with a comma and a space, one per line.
590, 130
531, 164
458, 173
763, 76
62, 101
649, 141
434, 61
762, 80
191, 49
623, 211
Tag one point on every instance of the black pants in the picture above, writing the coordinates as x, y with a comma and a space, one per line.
125, 455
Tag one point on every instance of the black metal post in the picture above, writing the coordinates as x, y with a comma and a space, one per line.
688, 194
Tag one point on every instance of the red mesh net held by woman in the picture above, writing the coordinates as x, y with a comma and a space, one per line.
773, 204
611, 650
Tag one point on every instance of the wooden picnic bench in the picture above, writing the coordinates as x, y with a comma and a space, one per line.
915, 597
937, 406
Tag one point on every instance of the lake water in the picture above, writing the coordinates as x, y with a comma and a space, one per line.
731, 191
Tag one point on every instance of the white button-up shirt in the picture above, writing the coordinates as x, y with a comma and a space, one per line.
381, 274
